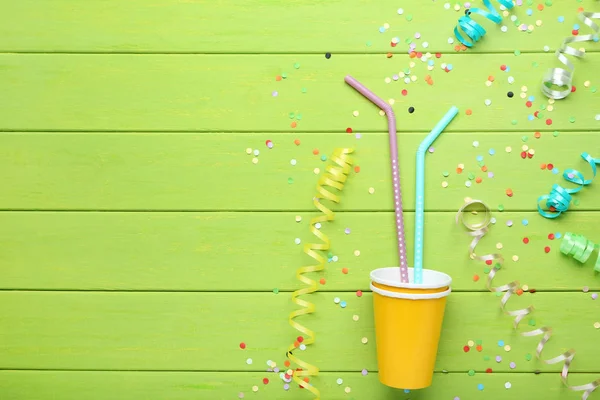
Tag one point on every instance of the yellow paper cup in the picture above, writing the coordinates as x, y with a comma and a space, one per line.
408, 323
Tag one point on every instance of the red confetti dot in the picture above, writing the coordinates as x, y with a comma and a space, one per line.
404, 92
573, 89
529, 155
242, 345
488, 262
359, 293
488, 370
438, 55
523, 154
575, 32
393, 44
532, 290
550, 167
535, 114
503, 67
466, 349
529, 104
551, 236
525, 240
266, 381
348, 130
300, 339
548, 121
419, 54
547, 249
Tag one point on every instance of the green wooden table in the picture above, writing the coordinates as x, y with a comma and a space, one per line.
140, 244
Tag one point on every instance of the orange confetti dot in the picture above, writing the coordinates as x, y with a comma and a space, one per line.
294, 124
491, 78
357, 169
389, 55
484, 168
344, 270
412, 54
322, 281
296, 343
316, 151
297, 142
457, 48
475, 278
580, 9
469, 111
459, 170
519, 292
306, 380
479, 347
540, 7
509, 192
278, 78
478, 179
286, 363
463, 47
537, 135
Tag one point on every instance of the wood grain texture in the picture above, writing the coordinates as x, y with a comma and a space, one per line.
255, 26
194, 251
202, 331
68, 385
211, 172
213, 93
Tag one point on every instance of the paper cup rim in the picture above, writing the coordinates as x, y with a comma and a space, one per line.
411, 296
390, 276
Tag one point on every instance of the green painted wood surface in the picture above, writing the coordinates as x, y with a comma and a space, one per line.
193, 251
134, 171
214, 93
178, 331
139, 244
69, 385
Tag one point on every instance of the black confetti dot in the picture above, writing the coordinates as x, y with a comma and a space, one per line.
411, 110
510, 94
328, 55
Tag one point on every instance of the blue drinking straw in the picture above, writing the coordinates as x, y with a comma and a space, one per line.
420, 191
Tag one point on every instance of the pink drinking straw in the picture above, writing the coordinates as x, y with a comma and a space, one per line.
395, 169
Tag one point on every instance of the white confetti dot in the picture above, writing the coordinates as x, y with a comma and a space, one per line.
336, 300
426, 45
507, 385
302, 347
487, 102
318, 225
444, 184
504, 28
297, 241
249, 361
450, 40
515, 258
339, 381
355, 113
447, 6
597, 117
546, 48
511, 80
475, 143
468, 183
357, 253
371, 190
400, 11
293, 161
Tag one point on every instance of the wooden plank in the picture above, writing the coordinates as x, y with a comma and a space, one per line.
237, 26
234, 93
185, 331
67, 171
69, 385
194, 251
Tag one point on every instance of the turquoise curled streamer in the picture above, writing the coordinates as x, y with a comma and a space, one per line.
580, 248
559, 199
472, 29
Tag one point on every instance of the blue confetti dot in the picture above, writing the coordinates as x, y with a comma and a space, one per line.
561, 19
500, 343
449, 66
596, 39
406, 391
492, 152
530, 117
430, 63
531, 98
479, 158
480, 386
576, 27
558, 235
343, 304
529, 11
555, 171
525, 222
507, 69
382, 29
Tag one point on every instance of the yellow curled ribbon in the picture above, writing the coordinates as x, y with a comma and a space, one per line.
478, 231
335, 177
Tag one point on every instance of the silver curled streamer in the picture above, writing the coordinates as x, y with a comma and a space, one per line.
478, 231
564, 77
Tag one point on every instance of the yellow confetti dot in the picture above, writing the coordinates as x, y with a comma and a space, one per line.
357, 253
381, 113
508, 149
471, 343
391, 101
386, 25
388, 80
523, 88
413, 78
248, 150
272, 364
317, 171
531, 151
550, 108
597, 325
488, 83
507, 348
371, 190
581, 49
505, 13
539, 22
524, 147
444, 184
298, 218
364, 340
255, 160
461, 166
290, 372
467, 199
355, 317
355, 113
255, 388
551, 101
412, 64
499, 245
523, 95
401, 74
531, 27
347, 390
525, 287
586, 83
515, 258
457, 7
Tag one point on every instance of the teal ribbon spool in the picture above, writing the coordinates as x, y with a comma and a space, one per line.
580, 248
472, 29
559, 199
